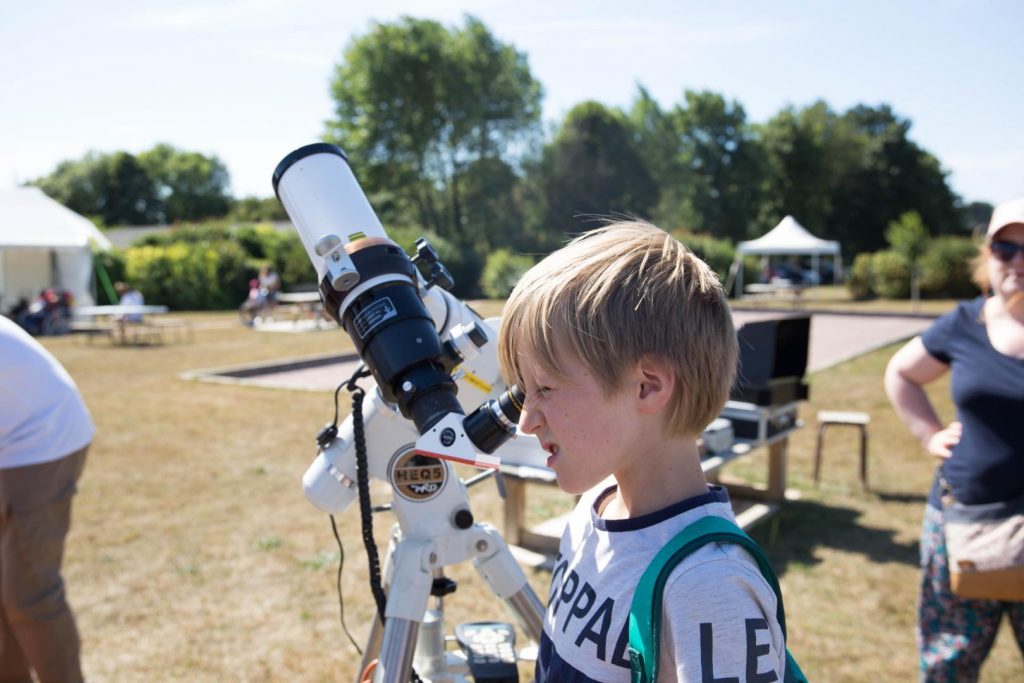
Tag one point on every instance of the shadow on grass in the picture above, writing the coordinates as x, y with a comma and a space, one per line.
902, 498
800, 528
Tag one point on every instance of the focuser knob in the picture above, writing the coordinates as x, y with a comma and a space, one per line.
425, 253
440, 276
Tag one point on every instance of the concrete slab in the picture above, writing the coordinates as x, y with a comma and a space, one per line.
835, 338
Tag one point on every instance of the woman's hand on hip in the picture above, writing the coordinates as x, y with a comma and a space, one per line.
940, 443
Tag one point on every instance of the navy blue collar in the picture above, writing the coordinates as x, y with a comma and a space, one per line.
715, 494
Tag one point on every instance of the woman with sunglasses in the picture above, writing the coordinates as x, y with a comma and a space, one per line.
981, 454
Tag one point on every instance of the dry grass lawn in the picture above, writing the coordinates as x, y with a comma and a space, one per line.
194, 555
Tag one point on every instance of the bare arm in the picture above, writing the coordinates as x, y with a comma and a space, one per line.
909, 370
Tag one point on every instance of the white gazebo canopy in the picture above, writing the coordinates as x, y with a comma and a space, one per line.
788, 238
44, 244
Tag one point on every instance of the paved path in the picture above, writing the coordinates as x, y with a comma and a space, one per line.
835, 338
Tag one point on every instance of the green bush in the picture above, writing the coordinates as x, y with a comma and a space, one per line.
199, 276
860, 280
890, 275
210, 231
502, 271
293, 264
946, 269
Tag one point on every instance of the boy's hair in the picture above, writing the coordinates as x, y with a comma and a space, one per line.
616, 295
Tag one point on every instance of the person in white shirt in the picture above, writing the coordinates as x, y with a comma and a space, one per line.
129, 296
45, 432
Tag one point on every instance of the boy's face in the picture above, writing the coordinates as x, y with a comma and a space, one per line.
587, 433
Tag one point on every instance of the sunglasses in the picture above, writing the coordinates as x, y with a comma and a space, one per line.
1004, 250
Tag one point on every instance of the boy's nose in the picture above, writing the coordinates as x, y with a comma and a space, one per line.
529, 421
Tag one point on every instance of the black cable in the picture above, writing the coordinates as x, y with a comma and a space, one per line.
363, 486
341, 601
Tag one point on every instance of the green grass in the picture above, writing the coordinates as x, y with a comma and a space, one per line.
194, 555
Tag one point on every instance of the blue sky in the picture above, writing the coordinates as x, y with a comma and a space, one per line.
248, 80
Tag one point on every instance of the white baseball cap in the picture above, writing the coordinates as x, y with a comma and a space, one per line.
1005, 214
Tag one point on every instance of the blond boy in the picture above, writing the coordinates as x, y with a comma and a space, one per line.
624, 345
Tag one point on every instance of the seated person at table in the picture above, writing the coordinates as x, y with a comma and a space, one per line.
270, 284
129, 296
624, 344
254, 304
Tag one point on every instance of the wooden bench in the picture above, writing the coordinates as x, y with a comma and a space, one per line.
91, 329
177, 329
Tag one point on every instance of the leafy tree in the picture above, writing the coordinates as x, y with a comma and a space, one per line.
706, 161
502, 271
157, 186
113, 189
724, 163
848, 176
806, 152
908, 237
191, 186
417, 105
658, 140
895, 176
976, 216
491, 205
590, 169
256, 209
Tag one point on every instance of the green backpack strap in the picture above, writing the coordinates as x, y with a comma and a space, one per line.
645, 612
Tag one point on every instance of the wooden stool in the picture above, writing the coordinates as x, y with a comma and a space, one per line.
853, 419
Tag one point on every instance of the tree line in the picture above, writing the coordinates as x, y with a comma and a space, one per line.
442, 125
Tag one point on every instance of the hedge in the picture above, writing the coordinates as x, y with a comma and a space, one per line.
197, 276
945, 272
502, 271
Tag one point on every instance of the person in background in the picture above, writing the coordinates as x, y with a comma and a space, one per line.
981, 454
251, 309
45, 432
129, 296
270, 284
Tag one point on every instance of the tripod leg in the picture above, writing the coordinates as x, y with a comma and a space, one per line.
409, 592
397, 651
499, 568
373, 641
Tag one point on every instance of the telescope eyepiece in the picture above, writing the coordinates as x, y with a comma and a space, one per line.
494, 422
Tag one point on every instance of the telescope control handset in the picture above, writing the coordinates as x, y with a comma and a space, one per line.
371, 287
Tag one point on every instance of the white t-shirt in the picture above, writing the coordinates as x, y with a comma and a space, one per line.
719, 614
132, 297
42, 415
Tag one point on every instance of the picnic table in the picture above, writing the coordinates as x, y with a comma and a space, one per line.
751, 504
777, 290
128, 323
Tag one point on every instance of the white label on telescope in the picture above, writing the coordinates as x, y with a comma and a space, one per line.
373, 315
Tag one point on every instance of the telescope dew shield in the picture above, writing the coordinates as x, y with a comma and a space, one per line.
328, 208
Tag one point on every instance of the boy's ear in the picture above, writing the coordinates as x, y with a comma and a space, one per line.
654, 384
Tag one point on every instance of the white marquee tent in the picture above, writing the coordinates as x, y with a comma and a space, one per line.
43, 244
788, 238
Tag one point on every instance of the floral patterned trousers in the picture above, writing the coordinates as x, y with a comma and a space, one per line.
954, 635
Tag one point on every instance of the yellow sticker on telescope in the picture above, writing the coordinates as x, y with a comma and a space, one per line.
477, 382
356, 236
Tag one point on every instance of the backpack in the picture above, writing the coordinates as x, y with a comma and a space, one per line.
645, 612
